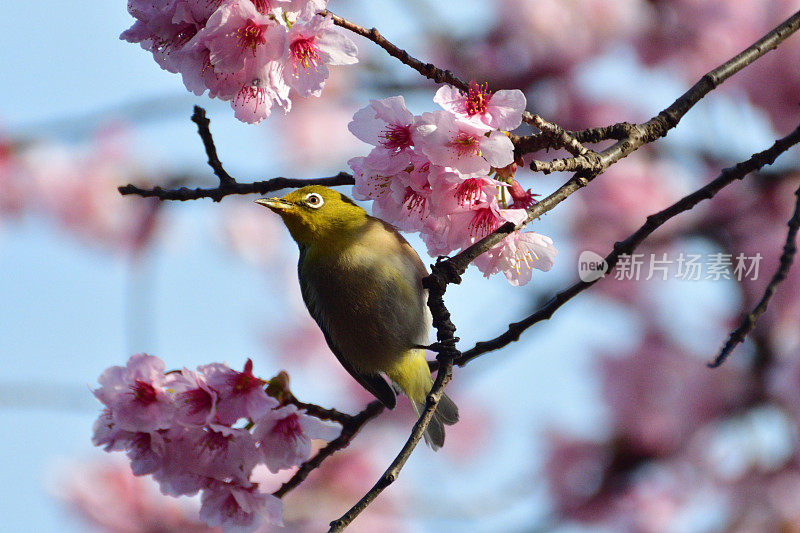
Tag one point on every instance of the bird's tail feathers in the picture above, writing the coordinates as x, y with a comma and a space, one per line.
446, 414
414, 378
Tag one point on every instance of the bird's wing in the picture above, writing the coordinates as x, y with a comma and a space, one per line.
374, 383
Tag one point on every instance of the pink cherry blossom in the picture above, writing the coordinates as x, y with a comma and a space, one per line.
480, 220
387, 125
516, 255
146, 452
254, 99
165, 31
451, 142
199, 451
522, 199
285, 434
195, 400
302, 8
408, 204
240, 39
107, 434
369, 185
239, 508
501, 110
435, 236
453, 191
312, 46
177, 474
248, 52
218, 452
430, 174
136, 395
241, 394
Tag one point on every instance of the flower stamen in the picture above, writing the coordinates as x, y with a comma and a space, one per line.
478, 97
304, 53
396, 137
252, 35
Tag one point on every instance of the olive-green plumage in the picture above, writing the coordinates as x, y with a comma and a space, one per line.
362, 283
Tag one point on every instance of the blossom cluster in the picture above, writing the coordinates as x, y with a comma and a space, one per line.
76, 189
248, 52
205, 431
449, 175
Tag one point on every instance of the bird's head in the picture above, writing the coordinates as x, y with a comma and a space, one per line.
316, 215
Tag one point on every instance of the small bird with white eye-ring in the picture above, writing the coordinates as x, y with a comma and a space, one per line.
362, 283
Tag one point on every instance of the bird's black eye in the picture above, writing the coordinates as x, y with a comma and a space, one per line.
314, 200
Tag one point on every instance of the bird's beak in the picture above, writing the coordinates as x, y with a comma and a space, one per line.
275, 204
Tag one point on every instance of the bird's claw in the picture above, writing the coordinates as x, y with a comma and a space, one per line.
438, 346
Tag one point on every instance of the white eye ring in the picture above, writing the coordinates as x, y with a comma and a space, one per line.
314, 200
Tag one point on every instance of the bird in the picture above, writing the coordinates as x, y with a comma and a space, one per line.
361, 281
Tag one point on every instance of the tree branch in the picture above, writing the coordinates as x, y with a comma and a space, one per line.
748, 322
626, 247
592, 164
318, 411
388, 477
350, 427
428, 70
544, 141
559, 136
659, 125
199, 118
218, 193
227, 184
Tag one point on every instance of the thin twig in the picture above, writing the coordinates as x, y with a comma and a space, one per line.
748, 322
199, 118
349, 430
227, 184
218, 193
388, 477
319, 412
542, 141
560, 136
428, 70
626, 247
